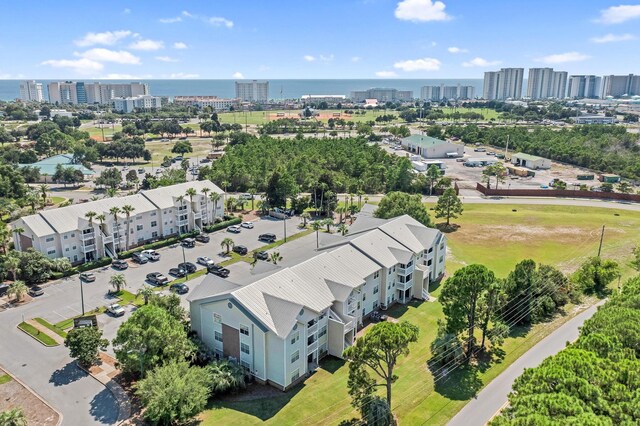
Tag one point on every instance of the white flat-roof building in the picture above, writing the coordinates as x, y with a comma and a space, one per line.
218, 104
429, 147
252, 91
130, 104
30, 91
69, 232
503, 84
594, 119
330, 99
279, 326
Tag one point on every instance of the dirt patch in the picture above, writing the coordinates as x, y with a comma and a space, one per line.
13, 394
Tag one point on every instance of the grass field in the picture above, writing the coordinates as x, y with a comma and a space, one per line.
51, 327
488, 114
4, 378
490, 234
261, 117
159, 149
36, 334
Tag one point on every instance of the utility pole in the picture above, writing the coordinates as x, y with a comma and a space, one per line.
81, 297
601, 238
184, 261
506, 150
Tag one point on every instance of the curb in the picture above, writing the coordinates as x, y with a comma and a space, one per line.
34, 338
36, 395
112, 386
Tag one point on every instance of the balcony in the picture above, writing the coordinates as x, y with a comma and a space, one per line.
88, 248
313, 346
182, 222
349, 325
197, 215
87, 236
406, 270
311, 329
404, 286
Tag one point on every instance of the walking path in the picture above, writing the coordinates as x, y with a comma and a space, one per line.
105, 373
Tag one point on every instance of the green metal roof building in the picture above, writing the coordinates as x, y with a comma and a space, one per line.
48, 166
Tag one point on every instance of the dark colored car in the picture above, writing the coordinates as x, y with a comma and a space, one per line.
156, 278
218, 270
188, 266
203, 238
267, 238
3, 289
36, 291
177, 272
139, 258
262, 255
179, 288
119, 264
188, 242
241, 250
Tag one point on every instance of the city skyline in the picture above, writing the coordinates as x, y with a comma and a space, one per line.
408, 39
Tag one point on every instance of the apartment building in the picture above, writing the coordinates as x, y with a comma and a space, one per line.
252, 91
279, 326
330, 99
218, 104
583, 86
79, 92
503, 84
438, 93
130, 104
382, 95
158, 213
545, 83
30, 91
620, 85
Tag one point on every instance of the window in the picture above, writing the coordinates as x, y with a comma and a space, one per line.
154, 234
139, 227
217, 318
65, 237
244, 348
51, 251
49, 239
430, 250
322, 332
410, 264
295, 337
153, 213
74, 247
376, 289
138, 217
389, 271
364, 296
295, 356
376, 275
154, 224
441, 259
66, 249
244, 330
217, 335
429, 262
73, 235
296, 375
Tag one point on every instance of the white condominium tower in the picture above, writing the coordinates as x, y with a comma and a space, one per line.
79, 92
503, 84
252, 91
31, 91
583, 86
620, 85
545, 83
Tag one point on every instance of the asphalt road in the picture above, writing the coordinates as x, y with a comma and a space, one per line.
494, 396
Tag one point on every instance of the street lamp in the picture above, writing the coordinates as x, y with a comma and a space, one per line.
284, 221
81, 296
184, 262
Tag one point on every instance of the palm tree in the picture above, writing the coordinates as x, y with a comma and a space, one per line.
232, 204
32, 199
101, 217
43, 189
341, 210
342, 228
305, 216
127, 209
317, 226
146, 292
360, 194
226, 376
225, 185
111, 192
12, 264
190, 192
13, 417
228, 243
18, 231
90, 215
61, 264
275, 257
5, 236
17, 290
214, 197
118, 281
252, 192
328, 222
206, 191
115, 211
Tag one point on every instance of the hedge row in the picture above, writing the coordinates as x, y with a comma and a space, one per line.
221, 225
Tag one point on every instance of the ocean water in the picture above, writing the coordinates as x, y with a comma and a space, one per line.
278, 89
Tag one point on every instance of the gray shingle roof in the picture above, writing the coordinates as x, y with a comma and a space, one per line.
163, 197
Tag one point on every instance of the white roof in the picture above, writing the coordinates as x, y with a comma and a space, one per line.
37, 225
382, 248
349, 256
164, 197
410, 233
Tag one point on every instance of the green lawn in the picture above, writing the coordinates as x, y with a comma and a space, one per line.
36, 334
51, 327
4, 378
159, 149
57, 200
487, 113
490, 234
261, 117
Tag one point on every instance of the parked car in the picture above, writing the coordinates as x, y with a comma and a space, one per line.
480, 150
188, 242
88, 277
156, 278
35, 291
119, 264
203, 238
248, 225
139, 258
158, 171
491, 153
177, 272
234, 228
460, 160
205, 261
140, 171
188, 266
115, 310
151, 254
3, 289
241, 250
205, 160
267, 238
178, 158
218, 270
262, 255
179, 288
245, 197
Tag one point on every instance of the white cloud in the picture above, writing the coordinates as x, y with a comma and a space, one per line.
309, 58
423, 64
561, 58
147, 44
479, 62
166, 59
179, 45
218, 21
327, 58
183, 75
126, 11
611, 38
386, 74
100, 54
187, 14
454, 49
107, 38
116, 76
170, 20
237, 75
356, 59
421, 11
81, 66
619, 14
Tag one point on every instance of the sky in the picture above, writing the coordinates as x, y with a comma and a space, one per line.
326, 39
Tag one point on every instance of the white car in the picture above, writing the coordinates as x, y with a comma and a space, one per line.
248, 225
151, 254
205, 261
234, 228
115, 310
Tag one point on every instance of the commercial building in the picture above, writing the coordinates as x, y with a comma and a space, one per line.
620, 85
429, 147
252, 91
503, 84
530, 161
158, 213
382, 95
438, 93
545, 83
218, 104
316, 99
594, 119
78, 92
47, 167
279, 326
30, 91
583, 86
130, 104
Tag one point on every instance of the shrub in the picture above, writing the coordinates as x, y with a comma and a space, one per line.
156, 244
104, 261
221, 225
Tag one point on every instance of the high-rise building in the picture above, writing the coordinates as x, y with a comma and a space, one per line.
545, 83
31, 91
382, 95
437, 93
252, 91
130, 104
70, 92
620, 85
503, 84
583, 86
